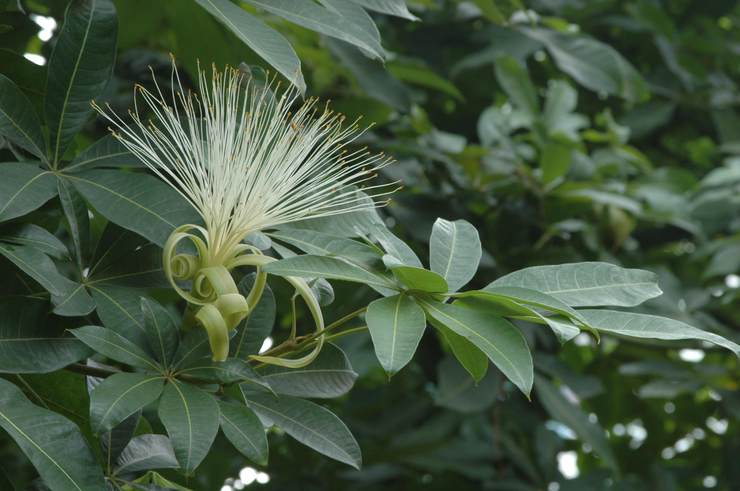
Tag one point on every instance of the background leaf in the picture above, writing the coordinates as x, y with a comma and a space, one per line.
79, 69
54, 445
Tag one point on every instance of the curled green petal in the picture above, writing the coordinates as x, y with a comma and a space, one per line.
218, 334
233, 307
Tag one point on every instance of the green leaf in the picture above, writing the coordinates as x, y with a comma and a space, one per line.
79, 69
396, 326
78, 220
28, 234
29, 343
245, 431
473, 360
54, 444
310, 15
321, 244
225, 372
119, 308
515, 81
390, 7
74, 301
424, 77
115, 346
587, 284
37, 265
310, 424
258, 324
572, 416
555, 160
146, 452
24, 188
651, 326
106, 152
194, 350
531, 297
414, 278
371, 76
191, 418
395, 246
309, 266
503, 343
595, 65
135, 201
457, 391
121, 395
329, 375
262, 39
455, 252
161, 332
18, 120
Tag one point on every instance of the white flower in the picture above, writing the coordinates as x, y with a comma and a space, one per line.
244, 159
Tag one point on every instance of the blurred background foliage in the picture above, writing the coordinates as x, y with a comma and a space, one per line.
564, 130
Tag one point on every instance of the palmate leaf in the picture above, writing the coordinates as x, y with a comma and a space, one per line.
587, 284
106, 152
262, 39
18, 120
79, 69
396, 326
310, 266
54, 445
78, 220
415, 278
651, 326
390, 7
135, 201
146, 452
311, 15
245, 431
116, 347
30, 343
191, 418
309, 423
162, 334
473, 360
329, 375
503, 343
455, 252
121, 395
24, 188
39, 238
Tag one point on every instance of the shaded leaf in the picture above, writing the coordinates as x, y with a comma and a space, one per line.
146, 452
503, 343
54, 445
114, 346
587, 284
79, 69
121, 395
310, 424
18, 120
329, 375
396, 326
191, 418
31, 344
24, 188
245, 431
262, 39
455, 252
